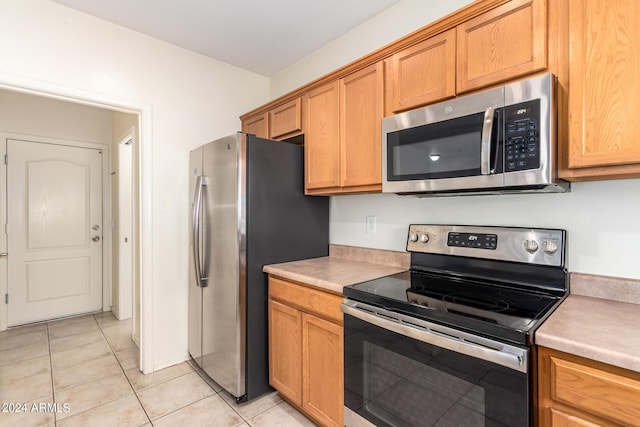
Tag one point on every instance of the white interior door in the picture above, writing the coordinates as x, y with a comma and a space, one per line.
54, 198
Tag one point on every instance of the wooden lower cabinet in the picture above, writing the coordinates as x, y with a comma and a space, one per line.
322, 368
285, 350
306, 349
574, 391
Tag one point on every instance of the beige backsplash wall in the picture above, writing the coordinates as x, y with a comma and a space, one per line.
602, 220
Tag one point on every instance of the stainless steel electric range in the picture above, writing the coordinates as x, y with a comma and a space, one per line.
449, 343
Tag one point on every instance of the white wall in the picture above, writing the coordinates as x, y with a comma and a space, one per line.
389, 25
38, 116
192, 99
602, 219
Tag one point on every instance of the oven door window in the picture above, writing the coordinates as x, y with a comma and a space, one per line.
447, 149
393, 380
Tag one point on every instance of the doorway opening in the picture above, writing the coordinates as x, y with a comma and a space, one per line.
138, 172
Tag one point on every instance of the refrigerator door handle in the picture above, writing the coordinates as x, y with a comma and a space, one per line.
197, 203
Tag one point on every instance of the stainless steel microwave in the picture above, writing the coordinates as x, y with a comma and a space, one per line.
501, 140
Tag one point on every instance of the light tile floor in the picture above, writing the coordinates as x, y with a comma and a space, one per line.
83, 371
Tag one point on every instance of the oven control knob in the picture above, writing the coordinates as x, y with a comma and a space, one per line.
531, 246
413, 237
424, 238
549, 247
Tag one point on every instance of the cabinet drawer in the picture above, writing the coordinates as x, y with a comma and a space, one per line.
595, 391
307, 299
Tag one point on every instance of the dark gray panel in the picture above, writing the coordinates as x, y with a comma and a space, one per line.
282, 225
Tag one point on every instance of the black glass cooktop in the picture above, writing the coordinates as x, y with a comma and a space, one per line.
495, 310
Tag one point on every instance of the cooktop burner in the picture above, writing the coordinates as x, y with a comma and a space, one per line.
493, 304
475, 301
500, 293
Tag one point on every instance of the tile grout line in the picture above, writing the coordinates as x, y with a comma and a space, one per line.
135, 393
53, 388
202, 374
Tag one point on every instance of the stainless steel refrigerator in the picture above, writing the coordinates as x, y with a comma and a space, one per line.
248, 209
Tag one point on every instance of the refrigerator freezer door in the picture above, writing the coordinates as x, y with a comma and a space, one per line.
223, 317
195, 291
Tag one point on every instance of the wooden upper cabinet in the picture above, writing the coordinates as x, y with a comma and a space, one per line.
257, 125
422, 74
361, 111
501, 44
322, 137
286, 120
604, 90
343, 151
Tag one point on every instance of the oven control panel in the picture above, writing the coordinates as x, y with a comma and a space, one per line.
472, 240
528, 245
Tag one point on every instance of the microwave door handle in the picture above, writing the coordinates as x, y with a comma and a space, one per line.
485, 147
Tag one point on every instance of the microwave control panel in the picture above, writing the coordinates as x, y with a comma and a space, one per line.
522, 139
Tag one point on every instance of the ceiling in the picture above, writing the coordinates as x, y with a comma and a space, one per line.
263, 36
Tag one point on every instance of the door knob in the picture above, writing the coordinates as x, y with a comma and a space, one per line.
95, 238
96, 227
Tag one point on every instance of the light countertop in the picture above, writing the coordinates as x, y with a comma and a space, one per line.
344, 266
599, 321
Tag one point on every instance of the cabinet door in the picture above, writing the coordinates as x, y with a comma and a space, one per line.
562, 419
285, 350
575, 391
361, 111
257, 125
286, 120
422, 74
322, 138
322, 344
503, 43
604, 95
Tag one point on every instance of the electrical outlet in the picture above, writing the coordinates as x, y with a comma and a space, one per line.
371, 224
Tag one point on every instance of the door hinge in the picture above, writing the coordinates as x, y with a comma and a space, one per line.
6, 298
6, 159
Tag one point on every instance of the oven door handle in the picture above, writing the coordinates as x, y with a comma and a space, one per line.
485, 147
506, 355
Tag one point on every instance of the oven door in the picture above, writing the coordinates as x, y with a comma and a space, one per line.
402, 371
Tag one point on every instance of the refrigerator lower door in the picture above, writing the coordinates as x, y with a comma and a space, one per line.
223, 315
195, 291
